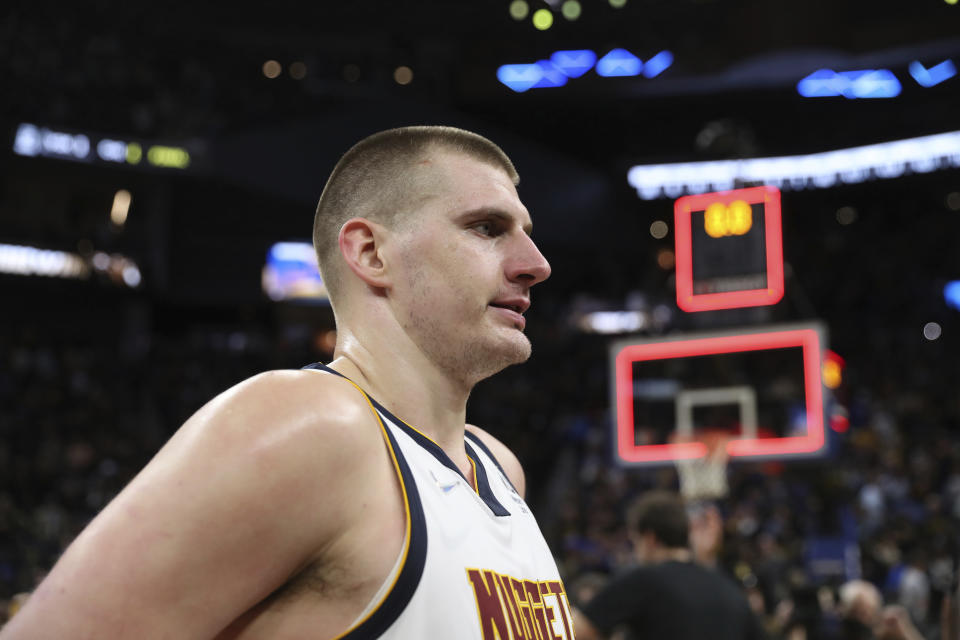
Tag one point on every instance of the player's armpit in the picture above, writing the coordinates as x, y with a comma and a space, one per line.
248, 491
511, 465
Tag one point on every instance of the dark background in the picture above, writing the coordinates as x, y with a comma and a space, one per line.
95, 376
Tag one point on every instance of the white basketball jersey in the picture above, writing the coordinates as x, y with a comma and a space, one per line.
475, 565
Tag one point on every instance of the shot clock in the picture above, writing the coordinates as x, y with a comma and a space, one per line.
728, 249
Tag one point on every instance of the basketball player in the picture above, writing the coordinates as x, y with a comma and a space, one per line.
349, 500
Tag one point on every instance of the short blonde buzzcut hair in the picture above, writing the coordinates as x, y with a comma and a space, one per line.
374, 180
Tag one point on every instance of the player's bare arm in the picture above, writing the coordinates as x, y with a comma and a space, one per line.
259, 486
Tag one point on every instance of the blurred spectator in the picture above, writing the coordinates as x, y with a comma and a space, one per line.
801, 616
668, 595
860, 610
706, 533
913, 591
583, 589
895, 624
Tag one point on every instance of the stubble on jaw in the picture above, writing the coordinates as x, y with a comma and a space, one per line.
467, 359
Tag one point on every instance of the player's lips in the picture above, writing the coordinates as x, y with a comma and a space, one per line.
518, 304
513, 308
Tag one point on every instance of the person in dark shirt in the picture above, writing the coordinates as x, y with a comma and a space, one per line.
668, 595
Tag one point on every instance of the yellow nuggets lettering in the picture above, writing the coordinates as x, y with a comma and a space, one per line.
513, 609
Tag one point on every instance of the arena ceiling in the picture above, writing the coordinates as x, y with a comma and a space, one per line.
194, 71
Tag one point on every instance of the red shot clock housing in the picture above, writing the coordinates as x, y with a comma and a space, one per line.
729, 249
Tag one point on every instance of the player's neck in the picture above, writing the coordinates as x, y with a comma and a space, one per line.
675, 555
408, 385
666, 554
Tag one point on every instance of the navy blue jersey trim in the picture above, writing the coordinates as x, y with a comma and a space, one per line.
406, 583
483, 483
405, 586
475, 439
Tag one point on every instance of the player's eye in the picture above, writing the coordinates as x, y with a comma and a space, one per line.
486, 227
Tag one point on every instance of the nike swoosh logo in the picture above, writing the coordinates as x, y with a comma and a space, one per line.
446, 488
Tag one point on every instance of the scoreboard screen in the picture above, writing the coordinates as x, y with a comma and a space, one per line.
291, 273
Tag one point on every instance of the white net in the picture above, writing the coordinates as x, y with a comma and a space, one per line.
705, 478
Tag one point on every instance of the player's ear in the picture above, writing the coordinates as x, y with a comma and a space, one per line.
361, 245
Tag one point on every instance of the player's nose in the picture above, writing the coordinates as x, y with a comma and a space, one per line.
527, 265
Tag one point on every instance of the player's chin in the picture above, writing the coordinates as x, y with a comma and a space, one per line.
503, 355
519, 349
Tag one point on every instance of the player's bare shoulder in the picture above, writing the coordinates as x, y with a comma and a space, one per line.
507, 459
291, 407
193, 540
296, 426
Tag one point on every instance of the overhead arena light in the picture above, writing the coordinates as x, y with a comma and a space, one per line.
33, 141
619, 62
30, 261
613, 322
816, 170
657, 64
931, 77
21, 260
573, 63
866, 83
520, 77
951, 293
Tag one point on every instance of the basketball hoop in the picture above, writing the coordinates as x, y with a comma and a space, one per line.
705, 478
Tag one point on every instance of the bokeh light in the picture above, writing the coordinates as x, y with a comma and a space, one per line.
131, 275
298, 70
403, 75
571, 10
120, 207
659, 229
832, 374
542, 19
846, 215
134, 153
932, 331
618, 4
953, 201
272, 69
519, 9
665, 259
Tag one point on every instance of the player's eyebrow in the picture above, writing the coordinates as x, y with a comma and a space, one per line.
499, 214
